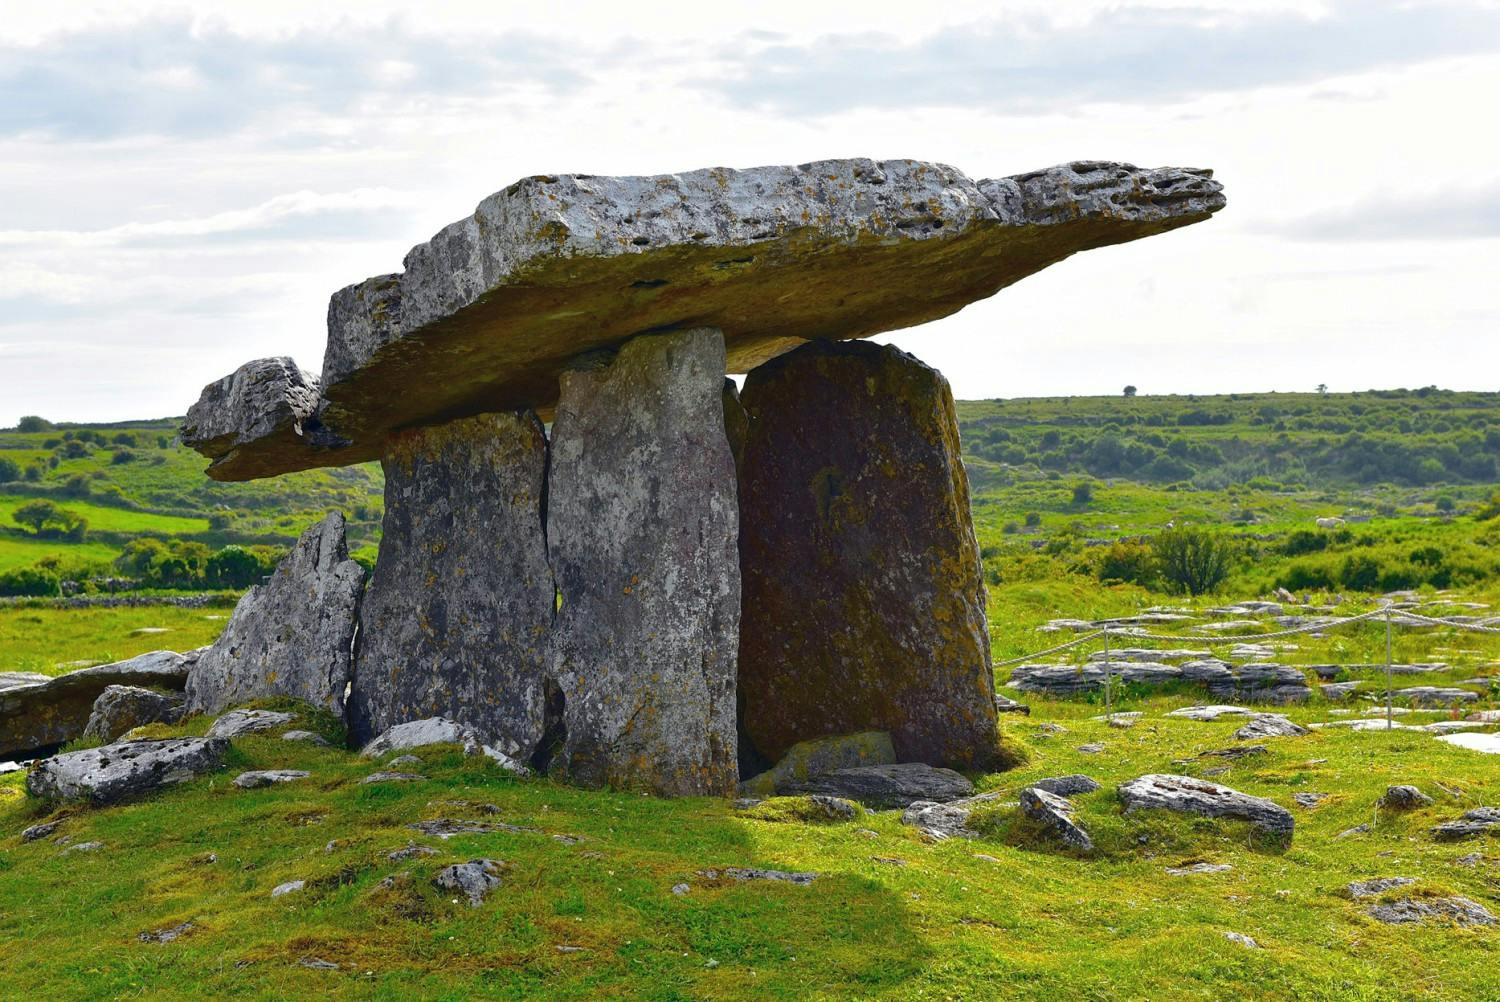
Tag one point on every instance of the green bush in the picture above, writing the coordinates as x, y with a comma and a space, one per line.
9, 469
1192, 560
29, 582
1127, 563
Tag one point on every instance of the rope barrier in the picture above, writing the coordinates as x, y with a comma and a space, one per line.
1051, 650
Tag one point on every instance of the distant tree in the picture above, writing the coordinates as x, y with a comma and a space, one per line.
33, 423
77, 486
233, 567
1083, 493
123, 438
75, 449
9, 469
38, 514
1033, 519
1444, 502
1192, 560
34, 582
219, 521
1322, 387
1130, 391
33, 473
122, 456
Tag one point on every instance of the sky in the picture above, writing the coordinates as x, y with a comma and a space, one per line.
183, 186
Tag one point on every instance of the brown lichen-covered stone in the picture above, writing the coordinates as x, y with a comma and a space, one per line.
456, 618
641, 528
863, 600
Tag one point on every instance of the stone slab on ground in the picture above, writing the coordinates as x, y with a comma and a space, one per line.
1184, 794
114, 772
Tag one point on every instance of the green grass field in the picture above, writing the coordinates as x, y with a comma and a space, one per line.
52, 641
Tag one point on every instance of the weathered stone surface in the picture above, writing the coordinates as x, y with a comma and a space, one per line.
268, 777
1430, 695
474, 879
290, 636
1056, 815
487, 313
439, 731
1458, 910
1479, 821
114, 772
1211, 712
121, 708
455, 621
39, 714
1195, 796
1404, 798
238, 723
1376, 887
388, 776
744, 873
1270, 725
886, 786
641, 529
864, 601
266, 404
820, 756
939, 821
1067, 786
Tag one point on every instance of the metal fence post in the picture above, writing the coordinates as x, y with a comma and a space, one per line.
1389, 715
1108, 695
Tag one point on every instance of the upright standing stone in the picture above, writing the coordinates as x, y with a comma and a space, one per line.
291, 636
641, 527
863, 600
456, 619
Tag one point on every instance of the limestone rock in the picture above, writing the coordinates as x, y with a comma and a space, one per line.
887, 786
290, 887
1479, 821
455, 621
1269, 725
1404, 798
474, 879
311, 737
121, 708
939, 821
439, 731
747, 873
486, 315
1067, 786
1211, 712
864, 601
1184, 794
1056, 814
820, 756
1378, 886
36, 715
114, 772
389, 776
290, 636
238, 723
266, 404
1458, 910
268, 777
641, 529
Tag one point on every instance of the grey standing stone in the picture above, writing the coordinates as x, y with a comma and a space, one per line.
121, 708
456, 618
641, 527
114, 772
1404, 798
864, 603
290, 636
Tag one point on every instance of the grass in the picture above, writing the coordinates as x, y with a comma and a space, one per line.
52, 641
112, 519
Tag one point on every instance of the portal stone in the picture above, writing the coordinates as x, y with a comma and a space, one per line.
863, 599
641, 528
456, 619
290, 636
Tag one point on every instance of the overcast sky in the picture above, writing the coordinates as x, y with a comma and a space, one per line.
182, 187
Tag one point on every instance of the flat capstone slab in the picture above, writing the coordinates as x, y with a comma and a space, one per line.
487, 313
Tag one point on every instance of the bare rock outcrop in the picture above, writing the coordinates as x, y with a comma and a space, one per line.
121, 708
1187, 795
114, 772
455, 620
290, 636
863, 594
641, 529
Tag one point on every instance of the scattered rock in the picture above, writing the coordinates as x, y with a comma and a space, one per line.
1092, 748
310, 737
410, 852
122, 708
268, 777
82, 847
1067, 786
1184, 794
1335, 691
1480, 821
1309, 800
318, 964
820, 756
1056, 814
680, 889
290, 887
404, 760
238, 723
168, 934
1404, 798
1364, 829
474, 879
1236, 753
1427, 695
1378, 886
1472, 859
1213, 712
111, 773
1459, 910
1269, 725
439, 731
938, 821
864, 602
750, 873
1242, 940
446, 828
455, 621
1004, 704
1487, 743
40, 831
386, 776
291, 636
1197, 868
887, 786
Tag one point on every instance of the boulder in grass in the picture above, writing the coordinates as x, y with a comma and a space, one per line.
238, 723
114, 772
1056, 815
820, 756
1067, 786
122, 708
886, 786
439, 731
474, 879
1186, 795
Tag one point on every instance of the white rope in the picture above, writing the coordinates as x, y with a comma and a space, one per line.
1239, 638
1051, 650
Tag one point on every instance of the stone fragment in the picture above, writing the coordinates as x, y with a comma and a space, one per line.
439, 731
404, 760
1092, 748
290, 887
939, 821
121, 708
1309, 800
310, 737
113, 772
454, 623
474, 879
39, 714
1269, 725
290, 636
1339, 690
864, 600
642, 525
1242, 940
1430, 695
819, 756
317, 964
1193, 869
238, 723
1056, 815
82, 847
1378, 886
1479, 821
1487, 743
886, 786
1212, 712
489, 313
1458, 910
389, 776
268, 777
410, 852
1004, 704
1067, 786
752, 873
1183, 794
168, 934
1404, 798
41, 831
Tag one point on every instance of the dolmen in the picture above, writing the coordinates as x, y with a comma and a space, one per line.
599, 554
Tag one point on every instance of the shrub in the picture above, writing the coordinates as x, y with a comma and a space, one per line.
1444, 502
1033, 519
1192, 560
30, 582
122, 456
1304, 541
33, 423
1129, 563
1083, 493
